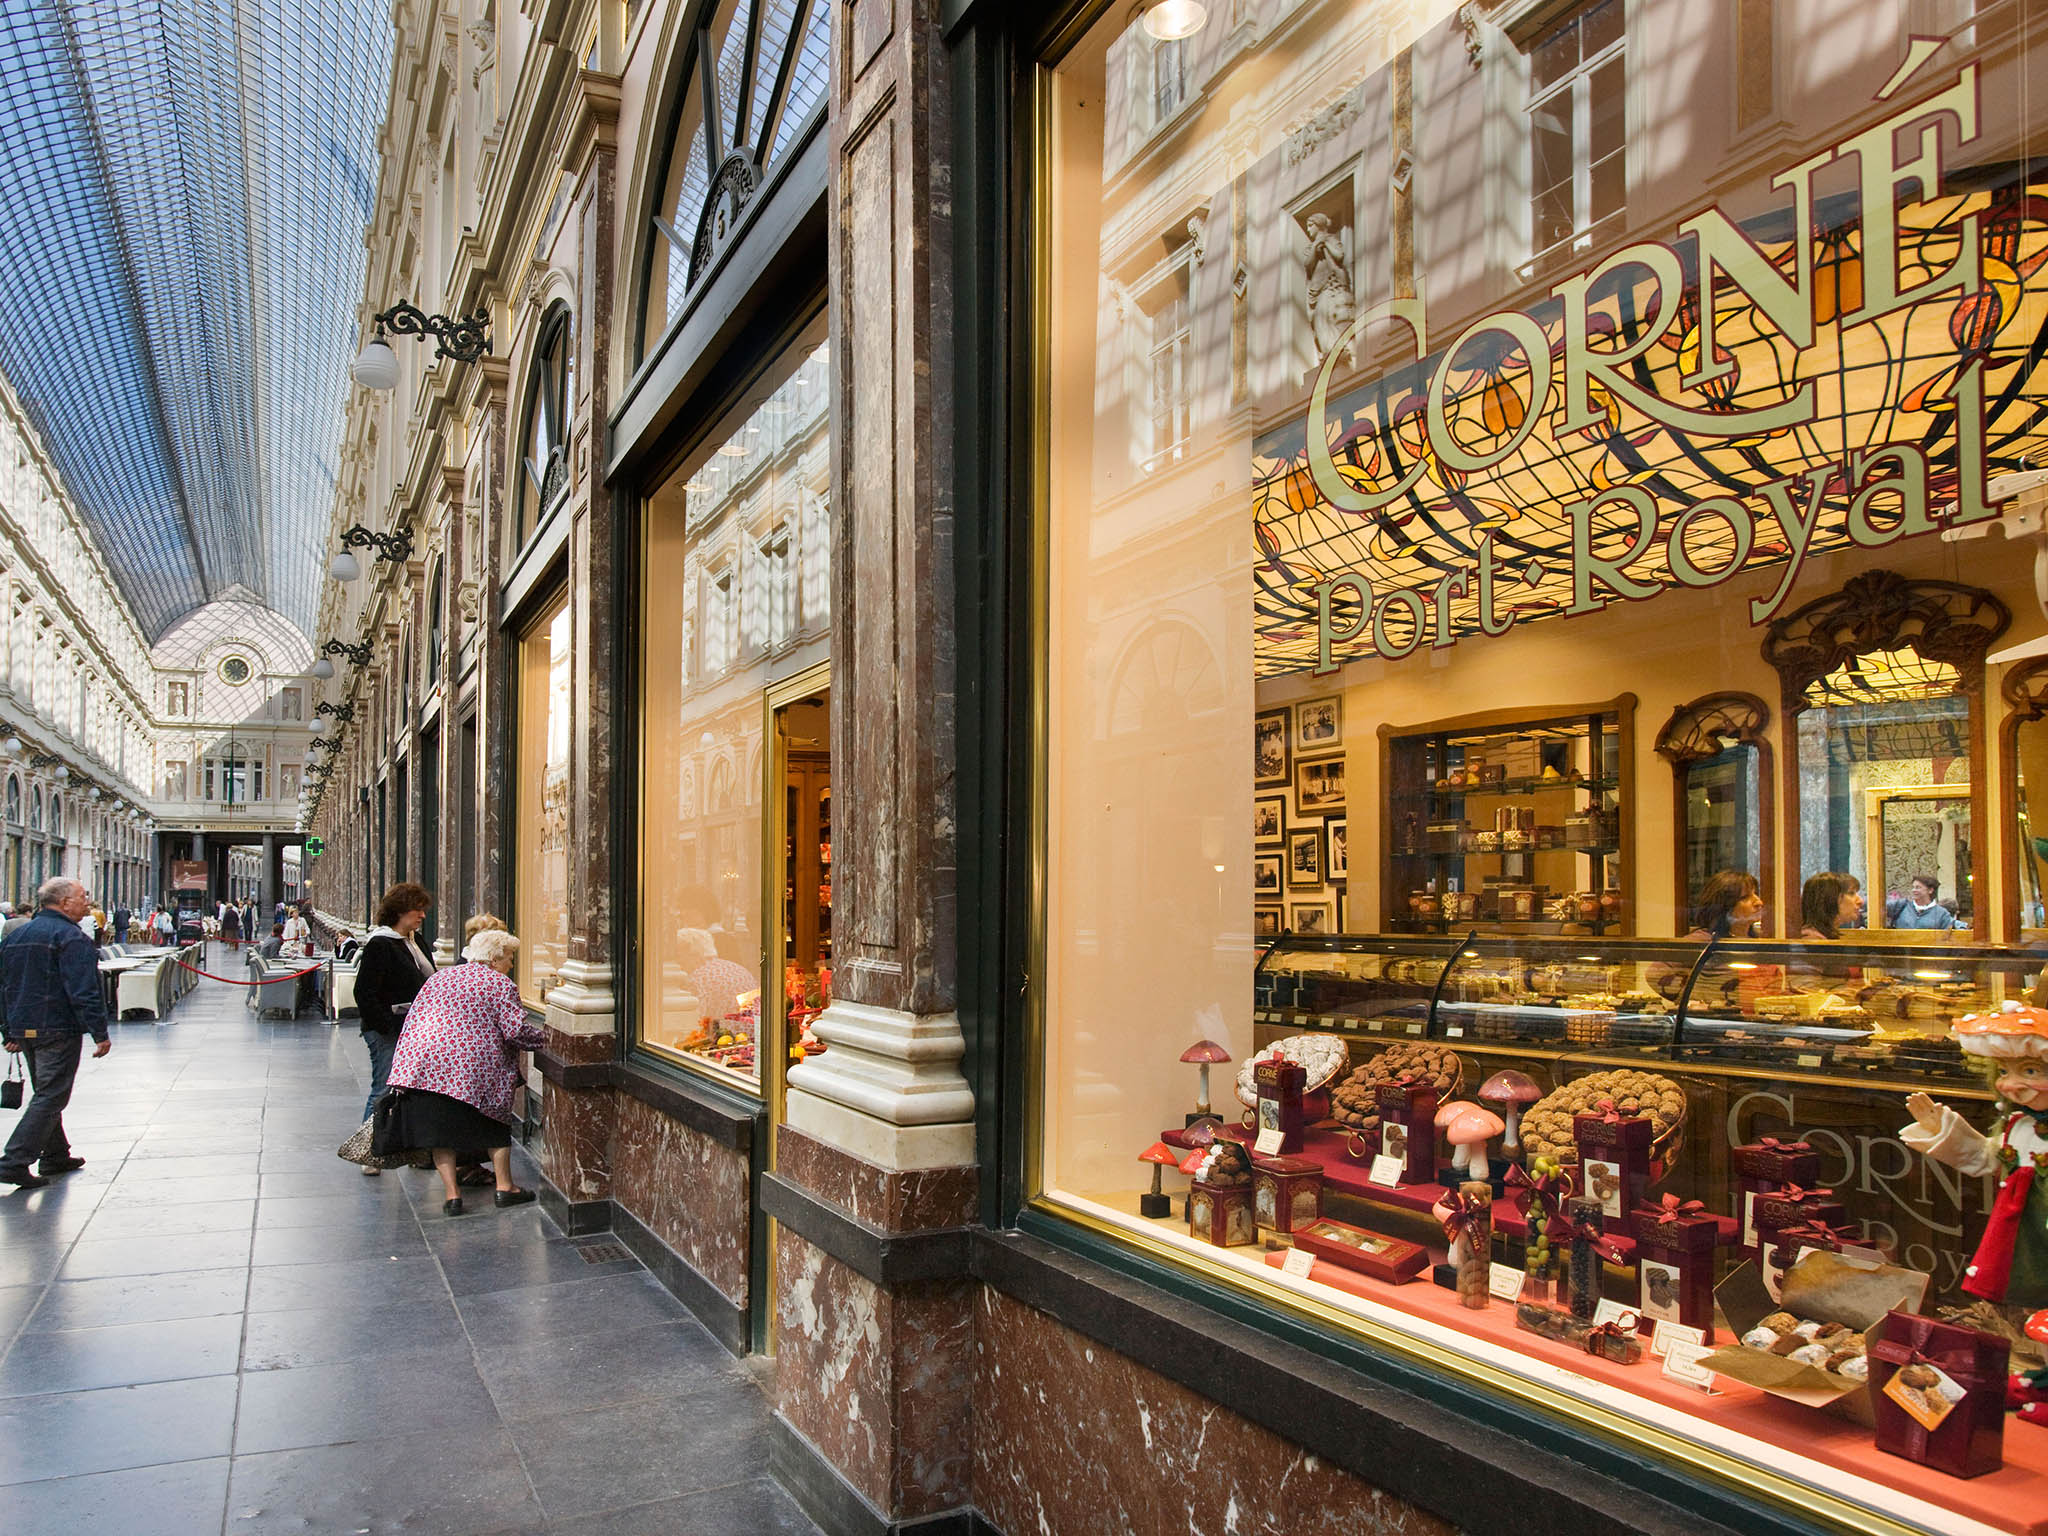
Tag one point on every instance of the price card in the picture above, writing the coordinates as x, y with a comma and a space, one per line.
1668, 1333
1387, 1170
1809, 1059
1609, 1311
1504, 1281
1414, 1029
1682, 1363
1455, 1031
1373, 1025
1298, 1263
1268, 1144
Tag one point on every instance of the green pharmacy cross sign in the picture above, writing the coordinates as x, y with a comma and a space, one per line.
315, 846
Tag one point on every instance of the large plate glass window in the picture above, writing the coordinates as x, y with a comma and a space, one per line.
736, 578
544, 452
1529, 634
541, 886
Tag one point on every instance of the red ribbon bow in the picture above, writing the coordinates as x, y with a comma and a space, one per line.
1615, 1328
1548, 1192
1458, 1216
1794, 1193
1814, 1234
1608, 1113
1670, 1206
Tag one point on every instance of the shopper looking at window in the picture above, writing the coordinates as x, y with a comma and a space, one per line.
389, 974
1826, 905
1729, 907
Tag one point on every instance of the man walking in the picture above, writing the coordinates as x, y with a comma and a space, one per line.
122, 918
50, 987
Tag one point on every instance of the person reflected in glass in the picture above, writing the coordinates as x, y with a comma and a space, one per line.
390, 971
1729, 906
1855, 888
1826, 906
1923, 908
457, 1065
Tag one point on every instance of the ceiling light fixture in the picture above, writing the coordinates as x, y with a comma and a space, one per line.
323, 669
464, 340
1171, 20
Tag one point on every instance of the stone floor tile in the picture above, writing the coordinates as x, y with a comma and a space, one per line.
610, 1303
105, 1431
428, 1390
754, 1508
354, 1205
81, 1359
184, 1191
170, 1220
214, 1166
533, 1377
289, 1287
453, 1482
326, 1335
635, 1453
390, 1237
547, 1262
184, 1498
154, 1255
140, 1299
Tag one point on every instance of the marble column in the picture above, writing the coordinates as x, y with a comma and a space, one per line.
873, 1374
582, 1018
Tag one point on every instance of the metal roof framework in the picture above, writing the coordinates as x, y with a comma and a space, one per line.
184, 186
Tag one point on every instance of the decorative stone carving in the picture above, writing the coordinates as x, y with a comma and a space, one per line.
1198, 236
732, 188
1468, 22
1323, 127
1327, 264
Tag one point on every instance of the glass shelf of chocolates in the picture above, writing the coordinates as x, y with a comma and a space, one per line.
1849, 1007
1562, 994
1371, 984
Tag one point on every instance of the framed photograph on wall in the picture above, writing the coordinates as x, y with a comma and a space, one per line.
1270, 756
1305, 857
1267, 922
1266, 876
1337, 856
1269, 821
1319, 786
1318, 725
1311, 917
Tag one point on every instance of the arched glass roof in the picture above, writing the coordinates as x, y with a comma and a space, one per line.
183, 190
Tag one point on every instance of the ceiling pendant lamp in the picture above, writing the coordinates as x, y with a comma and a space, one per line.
376, 366
1171, 20
323, 669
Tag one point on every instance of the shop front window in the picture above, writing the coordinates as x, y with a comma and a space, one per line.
725, 532
1587, 725
542, 884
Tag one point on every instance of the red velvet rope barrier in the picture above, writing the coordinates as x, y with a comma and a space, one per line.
235, 981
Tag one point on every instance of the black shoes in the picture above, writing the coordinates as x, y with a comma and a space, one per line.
504, 1197
452, 1207
22, 1176
49, 1169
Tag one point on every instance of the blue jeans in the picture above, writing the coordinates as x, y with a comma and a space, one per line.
382, 1047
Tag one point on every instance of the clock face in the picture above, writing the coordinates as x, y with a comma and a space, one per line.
235, 670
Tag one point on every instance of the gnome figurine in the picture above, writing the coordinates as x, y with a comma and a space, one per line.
2011, 1262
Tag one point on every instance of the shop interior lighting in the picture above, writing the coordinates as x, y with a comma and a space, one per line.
1171, 20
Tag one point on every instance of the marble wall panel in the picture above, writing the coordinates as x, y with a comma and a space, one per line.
878, 1381
1069, 1436
576, 1141
895, 1200
688, 1190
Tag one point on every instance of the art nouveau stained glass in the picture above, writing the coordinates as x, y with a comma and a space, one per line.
183, 189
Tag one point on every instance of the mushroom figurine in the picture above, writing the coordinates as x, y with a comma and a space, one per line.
2027, 1390
1469, 1131
1445, 1114
1204, 1054
1511, 1092
1158, 1202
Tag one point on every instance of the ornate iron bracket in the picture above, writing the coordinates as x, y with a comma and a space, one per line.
342, 712
38, 761
326, 743
358, 654
464, 339
389, 546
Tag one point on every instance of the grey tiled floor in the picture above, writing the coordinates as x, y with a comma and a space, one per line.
215, 1326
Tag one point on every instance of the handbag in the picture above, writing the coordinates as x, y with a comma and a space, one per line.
357, 1148
10, 1091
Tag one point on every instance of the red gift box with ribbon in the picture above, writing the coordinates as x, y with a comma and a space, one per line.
1793, 1206
1763, 1166
1408, 1126
1614, 1161
1938, 1392
1675, 1241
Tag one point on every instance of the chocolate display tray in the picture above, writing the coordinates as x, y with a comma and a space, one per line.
1370, 1253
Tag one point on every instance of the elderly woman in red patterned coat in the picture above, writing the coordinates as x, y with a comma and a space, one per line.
457, 1063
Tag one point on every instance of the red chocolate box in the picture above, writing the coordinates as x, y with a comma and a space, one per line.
1938, 1391
1384, 1258
1675, 1242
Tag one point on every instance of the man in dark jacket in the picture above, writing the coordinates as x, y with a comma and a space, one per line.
50, 988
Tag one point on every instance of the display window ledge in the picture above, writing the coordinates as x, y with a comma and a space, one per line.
727, 1117
1728, 1456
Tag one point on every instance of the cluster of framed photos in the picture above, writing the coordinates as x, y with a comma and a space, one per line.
1301, 854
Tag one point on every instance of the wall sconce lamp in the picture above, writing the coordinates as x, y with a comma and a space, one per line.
389, 546
359, 655
342, 712
463, 339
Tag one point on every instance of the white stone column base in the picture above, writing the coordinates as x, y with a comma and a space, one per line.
583, 1003
444, 953
900, 1148
889, 1089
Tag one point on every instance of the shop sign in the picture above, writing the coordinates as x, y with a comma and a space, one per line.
1837, 373
188, 874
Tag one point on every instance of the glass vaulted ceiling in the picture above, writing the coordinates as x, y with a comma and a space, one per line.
184, 186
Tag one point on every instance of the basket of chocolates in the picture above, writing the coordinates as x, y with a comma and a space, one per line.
1549, 1128
1355, 1101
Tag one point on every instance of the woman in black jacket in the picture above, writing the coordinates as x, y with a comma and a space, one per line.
390, 971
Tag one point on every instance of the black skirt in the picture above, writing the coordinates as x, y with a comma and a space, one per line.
421, 1121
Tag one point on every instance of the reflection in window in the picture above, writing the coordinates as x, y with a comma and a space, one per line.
542, 888
1171, 367
754, 580
545, 456
1577, 125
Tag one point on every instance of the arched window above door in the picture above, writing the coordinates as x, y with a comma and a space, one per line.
750, 82
544, 445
